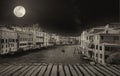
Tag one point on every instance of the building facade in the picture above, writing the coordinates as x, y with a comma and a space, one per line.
99, 44
8, 41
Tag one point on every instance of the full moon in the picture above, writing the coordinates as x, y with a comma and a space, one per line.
19, 11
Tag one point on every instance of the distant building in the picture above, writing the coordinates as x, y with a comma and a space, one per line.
38, 35
52, 39
46, 40
25, 40
57, 39
64, 40
77, 39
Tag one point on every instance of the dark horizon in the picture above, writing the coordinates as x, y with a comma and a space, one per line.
63, 17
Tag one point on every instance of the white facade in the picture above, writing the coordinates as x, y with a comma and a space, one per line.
57, 38
84, 42
38, 35
46, 39
25, 40
96, 42
8, 41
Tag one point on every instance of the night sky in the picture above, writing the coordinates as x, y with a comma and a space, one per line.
61, 16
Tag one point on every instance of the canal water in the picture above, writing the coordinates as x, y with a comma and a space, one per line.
59, 54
